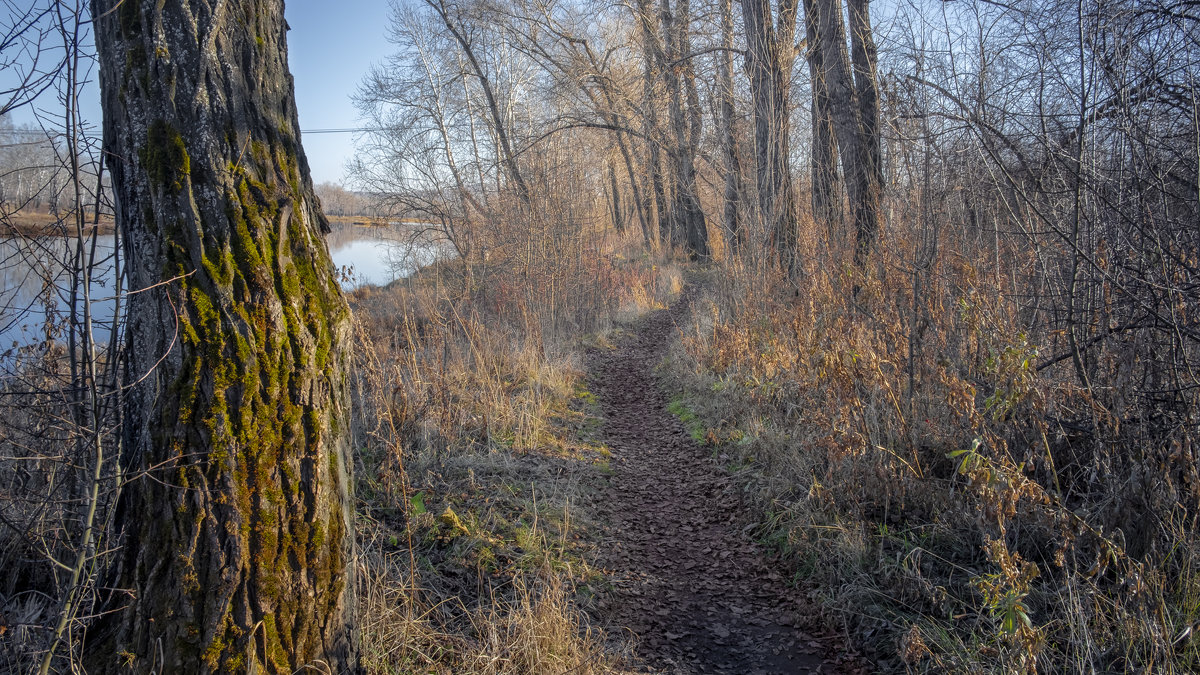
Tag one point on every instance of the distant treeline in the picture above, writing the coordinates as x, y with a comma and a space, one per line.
34, 169
338, 201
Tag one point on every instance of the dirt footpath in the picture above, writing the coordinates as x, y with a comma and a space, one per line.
691, 585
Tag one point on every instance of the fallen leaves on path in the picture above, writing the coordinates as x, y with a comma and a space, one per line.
688, 581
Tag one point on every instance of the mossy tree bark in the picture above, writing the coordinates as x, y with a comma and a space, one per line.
235, 528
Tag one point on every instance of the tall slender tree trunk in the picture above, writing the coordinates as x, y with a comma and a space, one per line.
638, 202
733, 169
863, 56
622, 144
508, 157
623, 148
675, 118
652, 56
618, 213
770, 55
860, 167
826, 183
696, 233
235, 529
689, 228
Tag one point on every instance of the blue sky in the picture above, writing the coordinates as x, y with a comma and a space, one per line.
330, 48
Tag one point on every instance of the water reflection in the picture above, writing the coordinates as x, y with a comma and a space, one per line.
36, 288
36, 294
377, 255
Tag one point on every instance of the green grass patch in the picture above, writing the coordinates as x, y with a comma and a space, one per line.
691, 421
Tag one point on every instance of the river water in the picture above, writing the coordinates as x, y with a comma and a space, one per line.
35, 290
378, 255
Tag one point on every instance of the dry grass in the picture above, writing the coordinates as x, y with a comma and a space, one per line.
46, 469
473, 434
938, 491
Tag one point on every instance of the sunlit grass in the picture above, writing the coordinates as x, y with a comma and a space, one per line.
479, 444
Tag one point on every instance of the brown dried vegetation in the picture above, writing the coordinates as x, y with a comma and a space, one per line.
962, 505
472, 432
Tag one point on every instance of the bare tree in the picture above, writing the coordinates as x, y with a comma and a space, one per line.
59, 368
651, 59
870, 168
732, 167
27, 57
689, 227
580, 58
851, 92
460, 29
826, 182
770, 39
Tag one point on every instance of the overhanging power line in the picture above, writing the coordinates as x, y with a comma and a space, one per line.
337, 131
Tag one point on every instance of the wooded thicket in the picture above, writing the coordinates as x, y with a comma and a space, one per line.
984, 215
950, 333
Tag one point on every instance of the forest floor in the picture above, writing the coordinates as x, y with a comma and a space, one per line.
689, 584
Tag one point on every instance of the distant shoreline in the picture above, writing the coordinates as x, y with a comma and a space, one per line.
45, 224
372, 221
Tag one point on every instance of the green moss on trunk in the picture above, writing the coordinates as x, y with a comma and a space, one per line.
165, 157
242, 568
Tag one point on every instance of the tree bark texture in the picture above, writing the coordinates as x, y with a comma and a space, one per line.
236, 525
652, 56
863, 56
770, 54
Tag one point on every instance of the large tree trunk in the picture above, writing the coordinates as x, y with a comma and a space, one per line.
863, 56
235, 527
696, 223
770, 54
